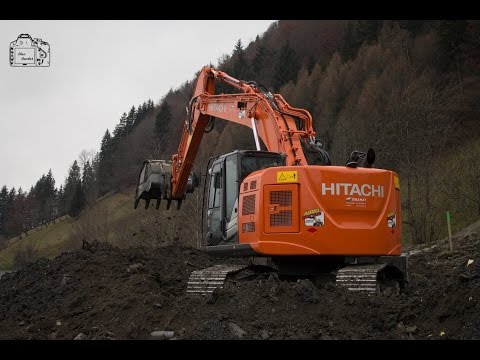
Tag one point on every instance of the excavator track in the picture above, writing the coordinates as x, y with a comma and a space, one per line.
206, 280
360, 277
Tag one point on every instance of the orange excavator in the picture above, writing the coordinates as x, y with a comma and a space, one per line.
307, 218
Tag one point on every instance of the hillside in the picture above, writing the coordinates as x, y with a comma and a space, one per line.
407, 88
111, 219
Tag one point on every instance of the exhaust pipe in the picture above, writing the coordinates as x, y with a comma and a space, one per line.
369, 159
359, 158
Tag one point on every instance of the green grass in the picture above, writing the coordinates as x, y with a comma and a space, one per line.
52, 241
48, 242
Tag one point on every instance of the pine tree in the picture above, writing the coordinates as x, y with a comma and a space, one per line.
105, 164
132, 114
240, 64
368, 30
60, 201
121, 128
43, 201
141, 112
78, 201
414, 27
16, 216
88, 183
238, 47
162, 120
50, 194
72, 194
105, 144
358, 32
351, 43
259, 60
286, 66
10, 209
3, 209
28, 211
451, 35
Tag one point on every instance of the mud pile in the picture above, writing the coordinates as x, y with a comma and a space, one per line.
111, 293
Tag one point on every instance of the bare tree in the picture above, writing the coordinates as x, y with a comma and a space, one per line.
86, 155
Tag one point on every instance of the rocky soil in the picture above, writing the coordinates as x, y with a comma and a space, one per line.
139, 293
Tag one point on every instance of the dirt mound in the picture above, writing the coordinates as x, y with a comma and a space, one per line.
111, 293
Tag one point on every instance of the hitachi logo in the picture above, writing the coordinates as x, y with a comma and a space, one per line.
352, 189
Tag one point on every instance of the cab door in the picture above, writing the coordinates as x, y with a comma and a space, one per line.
214, 205
222, 207
232, 183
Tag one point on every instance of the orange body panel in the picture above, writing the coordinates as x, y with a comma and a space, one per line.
321, 210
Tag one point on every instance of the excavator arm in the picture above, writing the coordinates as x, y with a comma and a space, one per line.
281, 127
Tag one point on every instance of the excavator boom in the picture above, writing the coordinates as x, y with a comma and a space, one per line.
281, 127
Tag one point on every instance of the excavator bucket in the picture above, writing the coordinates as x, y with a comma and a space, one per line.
153, 182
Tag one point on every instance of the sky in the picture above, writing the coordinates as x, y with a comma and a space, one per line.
98, 70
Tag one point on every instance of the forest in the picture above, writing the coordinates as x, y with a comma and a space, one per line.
407, 88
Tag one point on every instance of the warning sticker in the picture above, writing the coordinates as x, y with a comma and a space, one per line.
396, 182
391, 220
286, 176
314, 217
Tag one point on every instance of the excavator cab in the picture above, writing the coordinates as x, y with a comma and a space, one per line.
222, 185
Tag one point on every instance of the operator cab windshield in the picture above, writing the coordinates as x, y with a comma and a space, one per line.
251, 163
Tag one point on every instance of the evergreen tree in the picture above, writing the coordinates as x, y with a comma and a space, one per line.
358, 32
16, 214
239, 70
3, 209
106, 145
238, 47
162, 120
451, 35
28, 211
51, 210
259, 60
72, 194
10, 209
121, 128
141, 112
78, 201
132, 114
286, 66
60, 201
105, 164
44, 204
414, 27
88, 183
350, 43
368, 30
